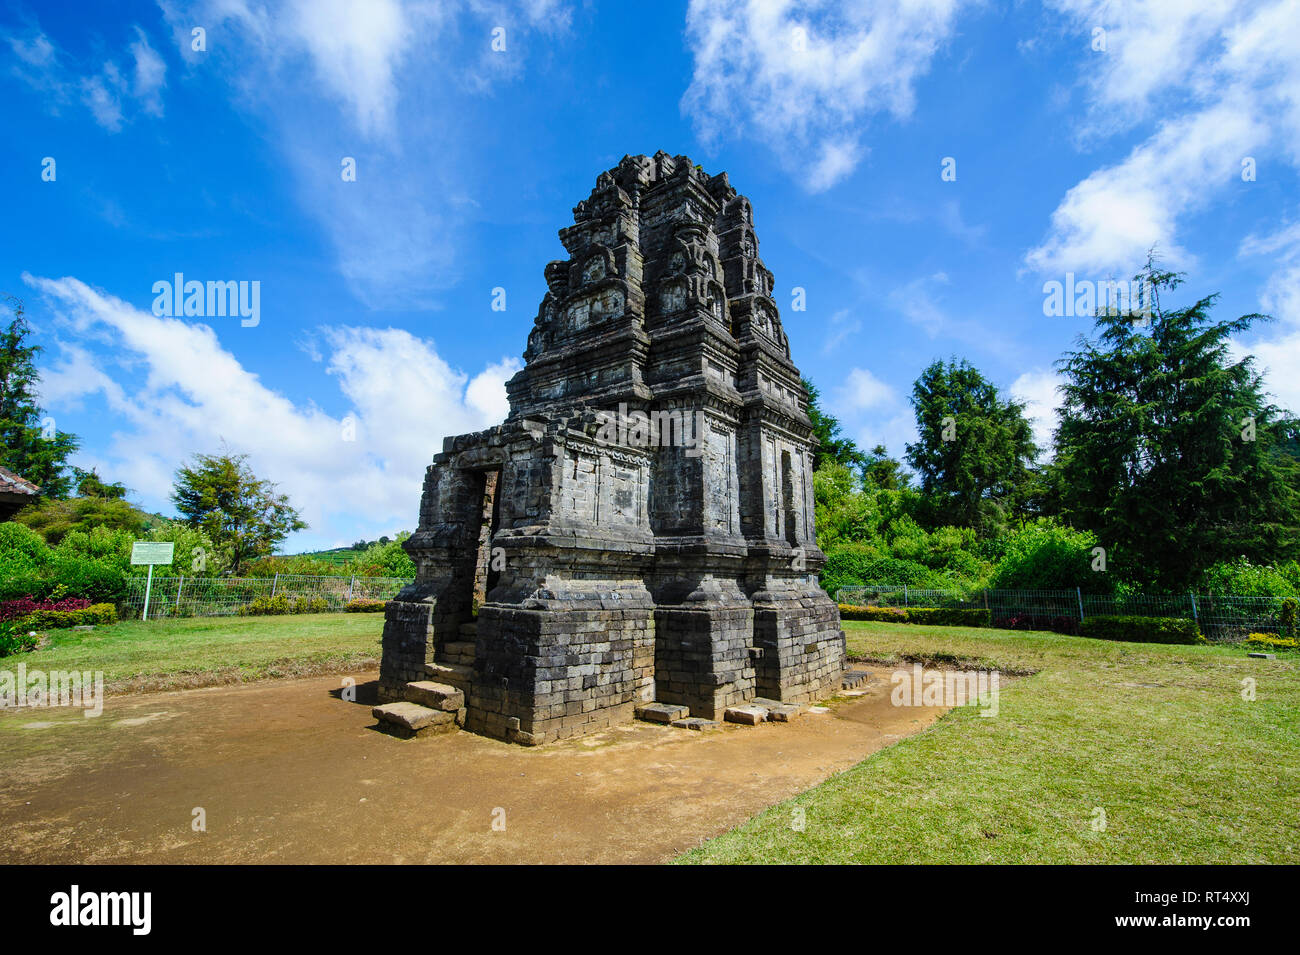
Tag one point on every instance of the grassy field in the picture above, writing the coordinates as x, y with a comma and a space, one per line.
205, 651
1158, 737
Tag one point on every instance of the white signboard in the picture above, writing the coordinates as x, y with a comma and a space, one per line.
152, 552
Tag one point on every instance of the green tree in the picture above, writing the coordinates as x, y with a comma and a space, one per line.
833, 446
90, 484
27, 447
974, 449
239, 512
883, 472
1168, 450
53, 520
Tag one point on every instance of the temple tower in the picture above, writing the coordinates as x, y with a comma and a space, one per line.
641, 526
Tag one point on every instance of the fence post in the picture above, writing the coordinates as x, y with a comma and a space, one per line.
986, 605
1195, 616
179, 587
275, 582
352, 582
904, 595
1079, 593
148, 586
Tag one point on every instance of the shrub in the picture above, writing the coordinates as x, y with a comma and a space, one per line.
91, 615
266, 606
280, 604
366, 605
1142, 629
1044, 555
15, 638
948, 616
1286, 620
22, 607
935, 616
1056, 623
1271, 641
1241, 578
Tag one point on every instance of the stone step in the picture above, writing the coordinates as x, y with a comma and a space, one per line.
746, 713
662, 712
409, 720
469, 629
778, 712
852, 679
698, 723
436, 696
461, 651
457, 674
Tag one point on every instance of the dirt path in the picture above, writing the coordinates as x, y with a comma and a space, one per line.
287, 771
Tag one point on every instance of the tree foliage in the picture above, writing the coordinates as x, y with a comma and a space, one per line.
239, 512
974, 449
1168, 450
27, 447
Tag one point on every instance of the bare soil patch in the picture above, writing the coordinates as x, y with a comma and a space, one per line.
287, 771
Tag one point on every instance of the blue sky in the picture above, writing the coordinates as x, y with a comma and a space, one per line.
1082, 132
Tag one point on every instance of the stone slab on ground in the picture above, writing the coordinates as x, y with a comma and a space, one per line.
662, 712
778, 712
853, 679
748, 714
408, 719
698, 723
436, 696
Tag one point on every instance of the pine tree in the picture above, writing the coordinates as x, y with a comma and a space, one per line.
974, 450
27, 447
1168, 450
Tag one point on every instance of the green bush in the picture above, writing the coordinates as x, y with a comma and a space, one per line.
15, 638
101, 613
948, 616
934, 616
280, 604
1142, 629
1241, 578
1043, 555
1271, 641
266, 606
1286, 620
366, 605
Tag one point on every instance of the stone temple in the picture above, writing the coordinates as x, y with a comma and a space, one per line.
640, 528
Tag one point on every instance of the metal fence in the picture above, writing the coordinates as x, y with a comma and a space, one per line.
1221, 619
224, 596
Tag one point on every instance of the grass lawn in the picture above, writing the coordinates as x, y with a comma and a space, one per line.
1159, 737
205, 651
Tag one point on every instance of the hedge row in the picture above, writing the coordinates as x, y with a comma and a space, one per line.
1142, 629
280, 604
59, 619
935, 616
366, 605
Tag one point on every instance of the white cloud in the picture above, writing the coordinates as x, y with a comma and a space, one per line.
1278, 357
108, 92
804, 77
379, 82
863, 390
1106, 224
1037, 390
1220, 81
177, 390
